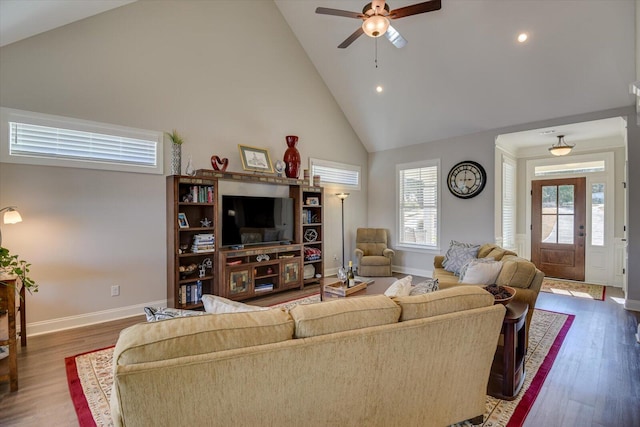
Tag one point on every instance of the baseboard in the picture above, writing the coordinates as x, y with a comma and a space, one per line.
633, 305
412, 271
62, 323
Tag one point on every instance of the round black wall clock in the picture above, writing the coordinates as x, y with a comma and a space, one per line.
466, 179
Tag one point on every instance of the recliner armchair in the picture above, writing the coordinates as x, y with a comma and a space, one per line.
373, 255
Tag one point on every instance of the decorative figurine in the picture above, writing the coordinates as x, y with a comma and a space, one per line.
219, 164
279, 167
205, 222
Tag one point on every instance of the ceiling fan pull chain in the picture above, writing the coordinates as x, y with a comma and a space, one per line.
376, 52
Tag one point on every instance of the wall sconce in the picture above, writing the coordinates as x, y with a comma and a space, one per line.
11, 216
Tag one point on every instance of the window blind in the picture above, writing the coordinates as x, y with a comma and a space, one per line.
508, 205
51, 142
418, 206
339, 174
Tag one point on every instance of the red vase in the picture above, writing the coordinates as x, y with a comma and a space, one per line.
292, 157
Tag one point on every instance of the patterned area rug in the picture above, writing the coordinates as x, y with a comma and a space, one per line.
90, 374
574, 289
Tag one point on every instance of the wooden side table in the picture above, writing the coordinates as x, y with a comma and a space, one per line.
508, 370
9, 365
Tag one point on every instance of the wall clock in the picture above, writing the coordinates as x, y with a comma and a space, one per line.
466, 179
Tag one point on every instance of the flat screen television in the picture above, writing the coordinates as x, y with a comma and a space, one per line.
248, 220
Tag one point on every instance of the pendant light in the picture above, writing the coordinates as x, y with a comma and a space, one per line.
561, 148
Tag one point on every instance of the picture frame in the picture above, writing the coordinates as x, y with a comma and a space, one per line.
313, 201
182, 220
255, 159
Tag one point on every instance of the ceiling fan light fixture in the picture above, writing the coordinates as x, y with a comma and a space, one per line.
375, 26
561, 148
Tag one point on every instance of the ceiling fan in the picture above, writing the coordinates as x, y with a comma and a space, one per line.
375, 19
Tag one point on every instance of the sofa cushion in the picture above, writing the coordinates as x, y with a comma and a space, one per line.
399, 288
458, 255
442, 302
480, 271
517, 272
185, 336
217, 304
343, 314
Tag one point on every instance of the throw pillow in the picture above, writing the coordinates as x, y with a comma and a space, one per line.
457, 256
399, 288
473, 261
216, 304
425, 287
481, 273
460, 244
163, 313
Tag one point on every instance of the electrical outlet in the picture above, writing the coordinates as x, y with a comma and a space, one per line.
335, 257
115, 290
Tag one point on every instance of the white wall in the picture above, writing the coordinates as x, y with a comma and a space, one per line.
223, 73
473, 220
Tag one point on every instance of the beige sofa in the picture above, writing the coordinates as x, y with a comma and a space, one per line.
363, 361
516, 272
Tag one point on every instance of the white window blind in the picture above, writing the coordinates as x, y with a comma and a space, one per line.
418, 204
42, 139
338, 174
508, 204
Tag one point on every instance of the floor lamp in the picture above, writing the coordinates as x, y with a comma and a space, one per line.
11, 216
342, 196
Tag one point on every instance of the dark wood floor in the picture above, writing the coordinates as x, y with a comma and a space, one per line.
595, 380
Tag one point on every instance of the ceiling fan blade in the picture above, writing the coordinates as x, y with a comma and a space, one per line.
414, 9
338, 12
395, 38
351, 38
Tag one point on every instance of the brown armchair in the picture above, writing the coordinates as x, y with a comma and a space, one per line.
373, 255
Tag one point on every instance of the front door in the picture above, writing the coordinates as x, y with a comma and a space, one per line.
558, 227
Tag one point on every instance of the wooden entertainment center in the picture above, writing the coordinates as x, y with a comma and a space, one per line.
197, 263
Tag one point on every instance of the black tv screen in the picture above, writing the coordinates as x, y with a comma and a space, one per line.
248, 220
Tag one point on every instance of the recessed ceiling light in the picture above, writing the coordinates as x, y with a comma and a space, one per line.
379, 89
547, 132
522, 37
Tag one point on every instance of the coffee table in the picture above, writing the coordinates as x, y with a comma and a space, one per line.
507, 370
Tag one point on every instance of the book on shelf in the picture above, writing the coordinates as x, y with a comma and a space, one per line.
201, 194
263, 287
203, 243
190, 293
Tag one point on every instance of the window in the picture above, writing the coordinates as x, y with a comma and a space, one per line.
508, 203
570, 168
418, 204
34, 138
337, 174
597, 214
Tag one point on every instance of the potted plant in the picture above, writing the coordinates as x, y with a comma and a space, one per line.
176, 151
12, 265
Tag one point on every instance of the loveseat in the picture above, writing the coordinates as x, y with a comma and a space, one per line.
419, 360
516, 272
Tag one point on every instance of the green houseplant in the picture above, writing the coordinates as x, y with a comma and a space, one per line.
12, 265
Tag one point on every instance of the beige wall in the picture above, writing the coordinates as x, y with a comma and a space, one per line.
223, 73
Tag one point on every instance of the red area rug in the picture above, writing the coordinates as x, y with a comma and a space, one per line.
90, 376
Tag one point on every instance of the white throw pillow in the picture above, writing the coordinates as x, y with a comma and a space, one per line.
216, 304
399, 288
482, 273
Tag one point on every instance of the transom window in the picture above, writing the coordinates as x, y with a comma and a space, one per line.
34, 138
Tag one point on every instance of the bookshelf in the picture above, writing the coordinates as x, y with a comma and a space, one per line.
239, 273
191, 219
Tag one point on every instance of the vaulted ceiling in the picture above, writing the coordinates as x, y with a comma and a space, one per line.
462, 71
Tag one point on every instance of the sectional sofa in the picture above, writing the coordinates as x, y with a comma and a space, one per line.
419, 360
